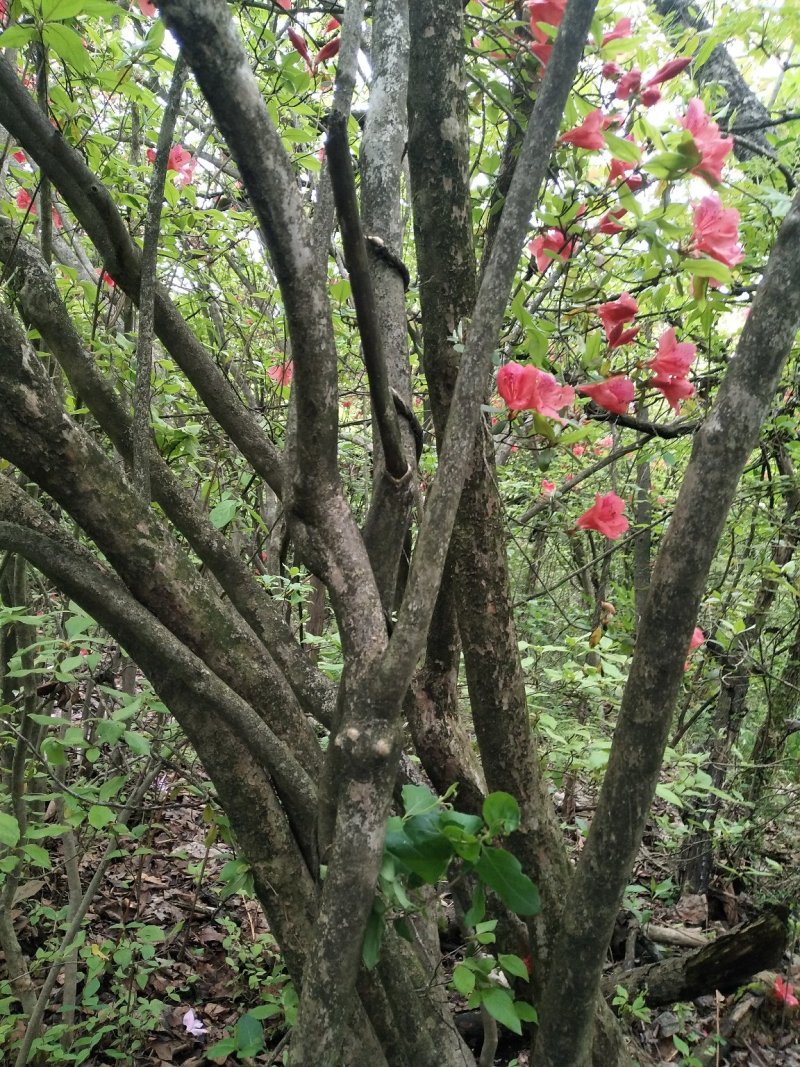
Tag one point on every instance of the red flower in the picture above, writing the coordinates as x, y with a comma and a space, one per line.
20, 157
611, 71
548, 488
608, 223
25, 201
629, 84
671, 69
784, 991
614, 394
622, 29
614, 314
526, 388
705, 133
553, 241
650, 96
619, 169
587, 134
286, 5
674, 358
282, 373
300, 46
697, 639
147, 8
674, 390
547, 12
606, 516
330, 25
716, 231
542, 52
109, 281
183, 163
328, 51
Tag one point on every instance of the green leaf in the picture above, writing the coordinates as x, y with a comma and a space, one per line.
417, 799
708, 268
463, 979
266, 1011
626, 151
421, 846
373, 938
526, 1011
665, 793
9, 830
222, 514
502, 873
16, 37
501, 813
249, 1035
222, 1049
67, 45
500, 1005
136, 742
55, 10
513, 965
100, 816
38, 856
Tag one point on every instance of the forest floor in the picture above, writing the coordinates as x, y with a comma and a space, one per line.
179, 956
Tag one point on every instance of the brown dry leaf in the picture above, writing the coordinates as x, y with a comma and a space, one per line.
693, 909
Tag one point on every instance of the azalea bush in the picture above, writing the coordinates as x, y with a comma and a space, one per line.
383, 382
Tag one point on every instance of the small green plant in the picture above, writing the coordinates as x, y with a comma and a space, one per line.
635, 1010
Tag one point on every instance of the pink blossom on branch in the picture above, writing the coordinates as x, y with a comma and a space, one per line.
671, 69
589, 133
614, 394
548, 487
555, 241
629, 84
716, 231
705, 133
282, 373
147, 8
526, 388
614, 314
674, 390
608, 223
784, 992
606, 516
621, 30
673, 358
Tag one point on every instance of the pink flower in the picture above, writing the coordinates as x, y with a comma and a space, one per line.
25, 201
712, 148
183, 163
587, 134
192, 1024
286, 5
671, 69
650, 96
299, 45
612, 71
673, 358
622, 29
147, 8
330, 25
108, 280
555, 241
547, 12
606, 516
629, 84
526, 388
542, 52
548, 488
614, 394
578, 450
697, 639
784, 991
716, 231
20, 157
620, 168
614, 314
282, 373
608, 223
673, 389
328, 51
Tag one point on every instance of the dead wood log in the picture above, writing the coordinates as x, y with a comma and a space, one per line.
724, 964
